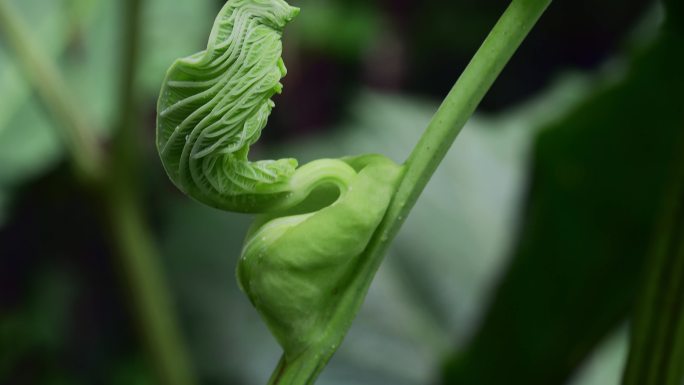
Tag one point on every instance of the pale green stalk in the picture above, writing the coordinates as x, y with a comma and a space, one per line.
488, 62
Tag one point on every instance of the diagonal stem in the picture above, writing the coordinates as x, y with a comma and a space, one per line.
140, 261
79, 138
485, 66
488, 62
115, 180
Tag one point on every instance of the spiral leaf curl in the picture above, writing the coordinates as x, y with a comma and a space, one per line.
300, 258
214, 104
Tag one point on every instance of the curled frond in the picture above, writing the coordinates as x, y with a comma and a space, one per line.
214, 104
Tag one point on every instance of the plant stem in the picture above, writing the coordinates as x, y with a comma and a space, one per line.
117, 184
150, 301
490, 59
139, 257
79, 138
458, 106
301, 370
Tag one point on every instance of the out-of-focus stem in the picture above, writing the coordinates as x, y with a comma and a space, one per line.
150, 300
139, 257
488, 62
116, 180
78, 136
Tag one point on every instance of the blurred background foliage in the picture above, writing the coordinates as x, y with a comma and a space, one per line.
520, 263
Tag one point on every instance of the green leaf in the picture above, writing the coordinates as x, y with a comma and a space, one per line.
656, 354
82, 36
28, 145
40, 325
214, 104
599, 176
415, 305
14, 90
188, 21
29, 141
605, 364
343, 29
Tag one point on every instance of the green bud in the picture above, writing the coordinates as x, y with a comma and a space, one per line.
303, 257
296, 268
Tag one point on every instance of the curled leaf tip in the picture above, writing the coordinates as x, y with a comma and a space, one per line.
301, 260
214, 104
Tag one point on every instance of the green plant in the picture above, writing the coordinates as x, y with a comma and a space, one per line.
593, 237
310, 257
112, 178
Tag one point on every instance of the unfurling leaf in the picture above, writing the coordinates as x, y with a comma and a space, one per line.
301, 259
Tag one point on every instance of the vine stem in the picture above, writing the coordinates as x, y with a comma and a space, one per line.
488, 62
140, 260
485, 66
77, 135
115, 180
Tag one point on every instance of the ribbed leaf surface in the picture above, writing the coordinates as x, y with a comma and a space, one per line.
214, 104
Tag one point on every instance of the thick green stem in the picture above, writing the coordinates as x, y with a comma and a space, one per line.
301, 370
497, 49
488, 62
79, 138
